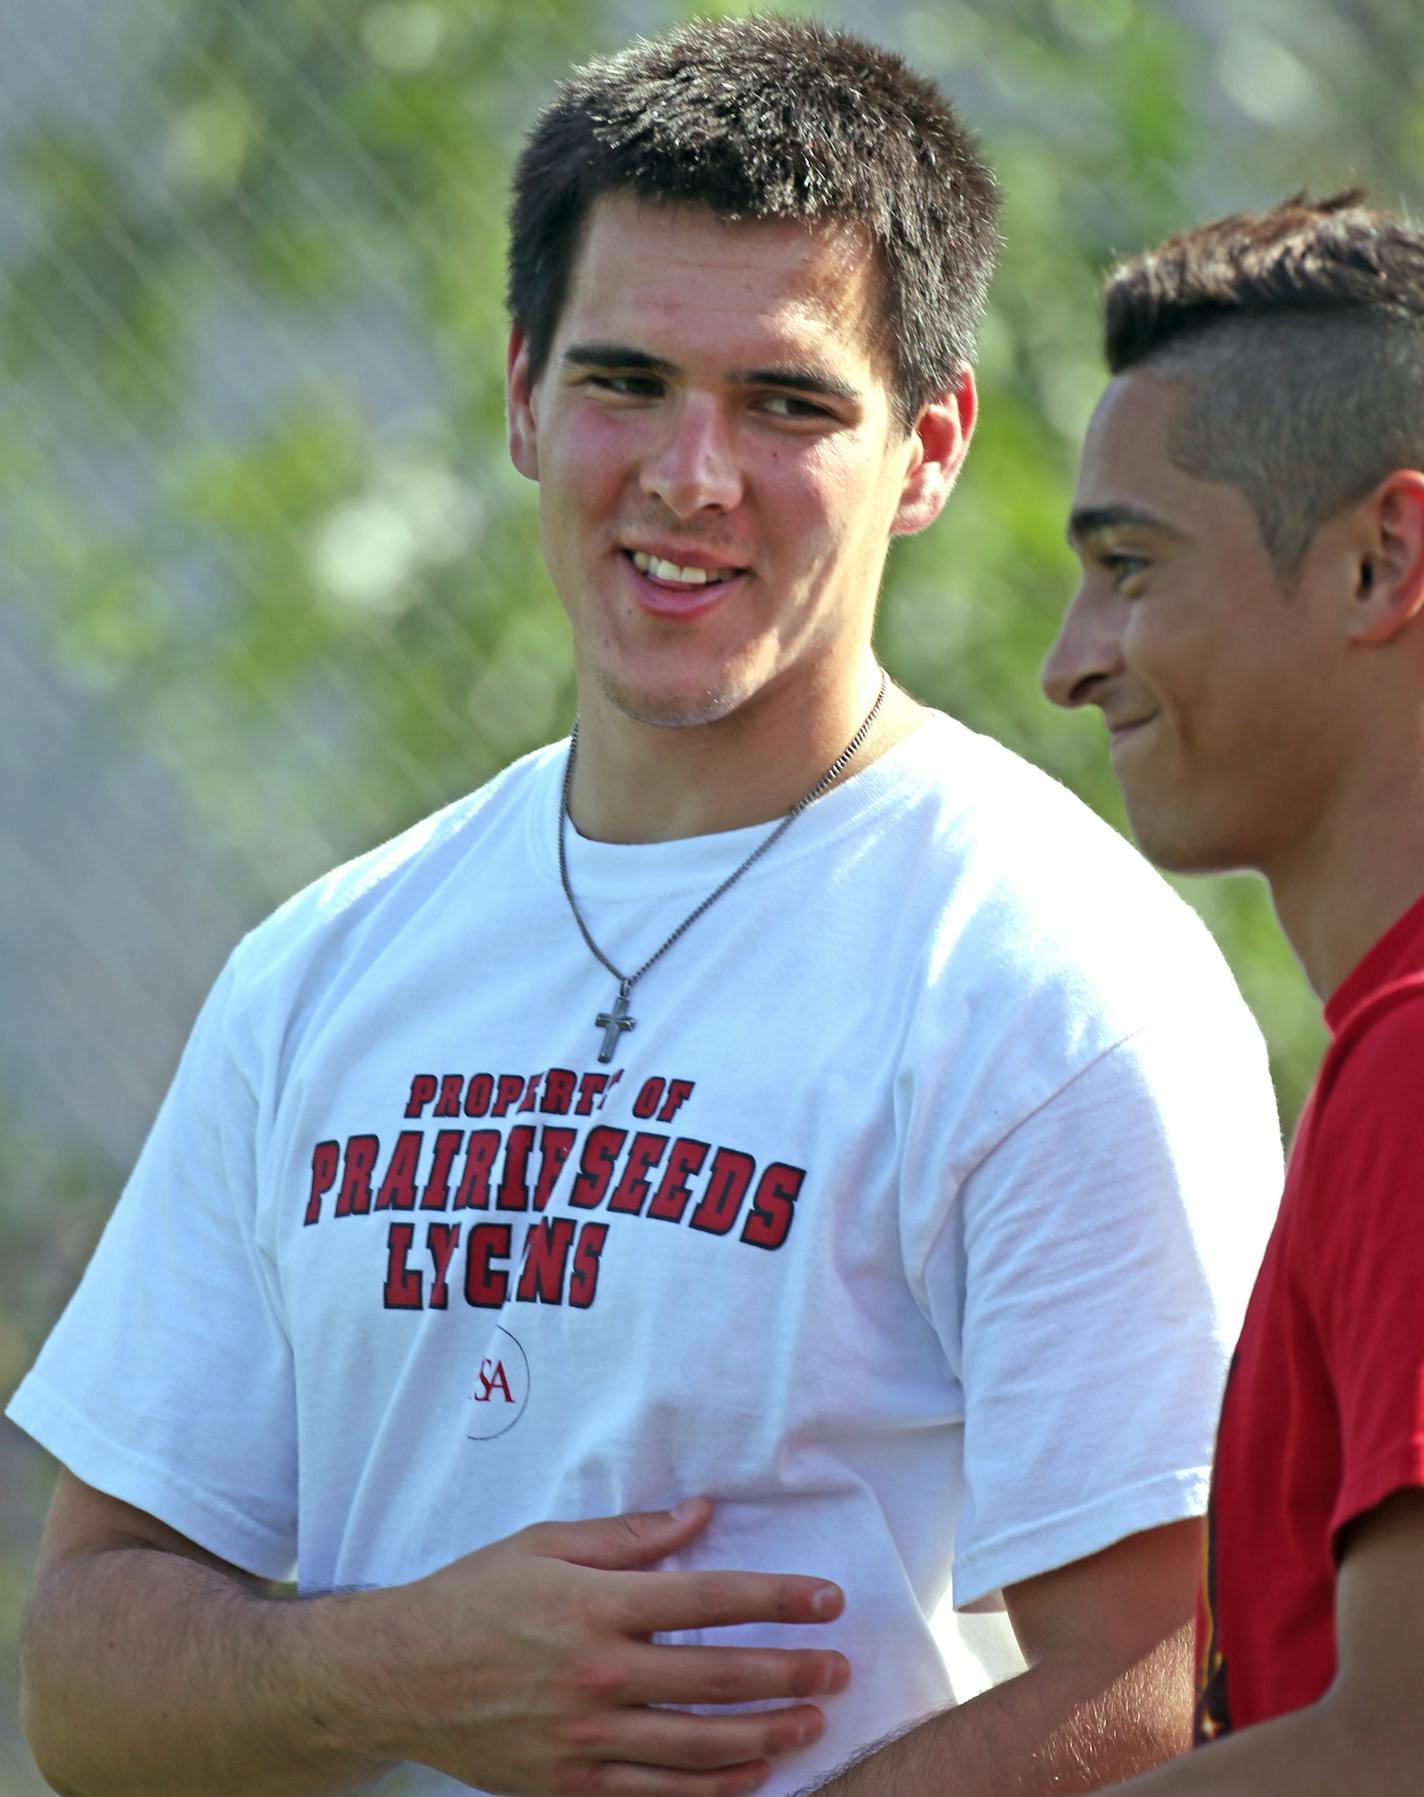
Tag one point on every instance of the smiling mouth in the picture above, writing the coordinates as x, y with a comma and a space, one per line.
670, 573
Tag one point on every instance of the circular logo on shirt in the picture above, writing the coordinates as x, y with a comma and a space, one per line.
500, 1389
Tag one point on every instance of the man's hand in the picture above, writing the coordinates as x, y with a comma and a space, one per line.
528, 1666
153, 1669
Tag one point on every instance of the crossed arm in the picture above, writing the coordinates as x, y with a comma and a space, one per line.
1107, 1692
152, 1667
1367, 1732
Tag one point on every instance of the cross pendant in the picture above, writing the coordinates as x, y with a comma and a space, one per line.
613, 1022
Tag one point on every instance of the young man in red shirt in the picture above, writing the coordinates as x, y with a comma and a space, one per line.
1250, 521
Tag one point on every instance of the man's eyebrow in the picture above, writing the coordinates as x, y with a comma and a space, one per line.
797, 379
616, 355
1093, 520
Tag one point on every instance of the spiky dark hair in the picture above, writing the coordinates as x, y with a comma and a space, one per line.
770, 118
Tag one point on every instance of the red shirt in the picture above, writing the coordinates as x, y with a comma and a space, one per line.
1324, 1411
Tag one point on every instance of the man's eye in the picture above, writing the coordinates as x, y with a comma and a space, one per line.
1121, 564
793, 405
627, 386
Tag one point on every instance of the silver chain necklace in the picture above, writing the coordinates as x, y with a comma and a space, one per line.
615, 1022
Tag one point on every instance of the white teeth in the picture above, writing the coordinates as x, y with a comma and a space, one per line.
661, 570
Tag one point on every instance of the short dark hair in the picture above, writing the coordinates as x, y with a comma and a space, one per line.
1299, 334
770, 118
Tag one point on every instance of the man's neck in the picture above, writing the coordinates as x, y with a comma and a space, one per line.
637, 782
1362, 871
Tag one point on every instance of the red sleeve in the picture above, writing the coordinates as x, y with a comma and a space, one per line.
1369, 1277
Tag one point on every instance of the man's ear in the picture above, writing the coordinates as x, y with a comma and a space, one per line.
519, 406
939, 443
1389, 589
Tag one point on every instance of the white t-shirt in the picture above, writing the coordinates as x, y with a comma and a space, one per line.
912, 1223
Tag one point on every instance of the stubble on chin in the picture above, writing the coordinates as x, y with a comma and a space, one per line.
1154, 832
671, 711
1182, 844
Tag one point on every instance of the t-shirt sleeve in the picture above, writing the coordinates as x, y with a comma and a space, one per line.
167, 1382
1105, 1252
1369, 1273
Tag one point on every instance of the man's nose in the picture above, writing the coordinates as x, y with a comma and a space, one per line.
1087, 654
694, 467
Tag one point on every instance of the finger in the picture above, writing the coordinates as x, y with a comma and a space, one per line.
691, 1743
622, 1543
660, 1602
672, 1674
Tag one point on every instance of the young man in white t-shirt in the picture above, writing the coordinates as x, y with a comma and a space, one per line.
639, 1239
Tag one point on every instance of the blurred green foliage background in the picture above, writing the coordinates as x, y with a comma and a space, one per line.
271, 589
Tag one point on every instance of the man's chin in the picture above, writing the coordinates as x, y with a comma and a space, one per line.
672, 708
1176, 848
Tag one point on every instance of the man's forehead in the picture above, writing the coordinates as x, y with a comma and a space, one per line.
1128, 472
625, 210
691, 269
1126, 446
1133, 413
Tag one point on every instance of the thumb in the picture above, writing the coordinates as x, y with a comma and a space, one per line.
622, 1543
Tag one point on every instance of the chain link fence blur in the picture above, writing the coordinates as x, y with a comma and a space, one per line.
270, 588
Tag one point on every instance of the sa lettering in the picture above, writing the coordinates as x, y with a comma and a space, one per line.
492, 1378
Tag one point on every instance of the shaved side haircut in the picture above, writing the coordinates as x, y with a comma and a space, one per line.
1299, 334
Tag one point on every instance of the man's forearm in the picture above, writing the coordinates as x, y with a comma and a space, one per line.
149, 1673
1046, 1733
1317, 1752
525, 1665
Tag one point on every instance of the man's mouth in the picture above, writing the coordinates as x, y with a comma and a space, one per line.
656, 568
1127, 727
